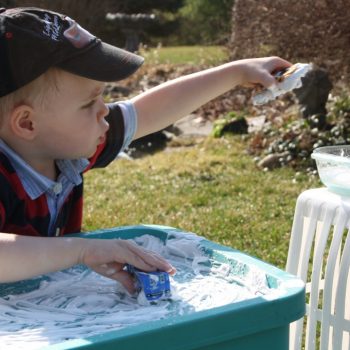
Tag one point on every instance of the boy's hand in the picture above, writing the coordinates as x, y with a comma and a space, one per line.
258, 72
109, 256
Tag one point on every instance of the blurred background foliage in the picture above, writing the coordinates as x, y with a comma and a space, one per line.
204, 22
179, 22
249, 28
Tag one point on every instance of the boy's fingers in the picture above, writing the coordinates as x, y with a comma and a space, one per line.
111, 268
148, 260
111, 260
125, 279
268, 80
274, 65
278, 63
153, 264
115, 271
108, 269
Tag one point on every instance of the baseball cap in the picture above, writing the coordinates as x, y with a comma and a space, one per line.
32, 40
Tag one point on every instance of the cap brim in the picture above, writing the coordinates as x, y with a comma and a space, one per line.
103, 62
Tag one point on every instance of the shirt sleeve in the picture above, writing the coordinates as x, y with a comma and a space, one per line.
122, 121
130, 121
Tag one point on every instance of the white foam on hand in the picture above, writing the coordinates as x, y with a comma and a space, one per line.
289, 83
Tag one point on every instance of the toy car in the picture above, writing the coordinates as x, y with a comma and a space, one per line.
154, 285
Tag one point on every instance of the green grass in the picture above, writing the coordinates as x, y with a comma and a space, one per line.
196, 55
213, 189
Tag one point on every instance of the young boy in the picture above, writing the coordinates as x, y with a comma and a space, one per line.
54, 125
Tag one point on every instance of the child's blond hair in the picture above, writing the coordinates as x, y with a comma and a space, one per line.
34, 92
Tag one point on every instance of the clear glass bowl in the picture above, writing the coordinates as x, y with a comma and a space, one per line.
333, 165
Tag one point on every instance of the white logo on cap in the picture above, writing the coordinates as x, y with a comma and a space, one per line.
78, 36
52, 27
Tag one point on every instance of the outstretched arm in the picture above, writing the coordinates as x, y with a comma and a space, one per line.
23, 257
161, 106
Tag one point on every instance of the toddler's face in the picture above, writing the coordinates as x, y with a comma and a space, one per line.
72, 120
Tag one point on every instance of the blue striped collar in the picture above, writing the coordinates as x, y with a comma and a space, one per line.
36, 184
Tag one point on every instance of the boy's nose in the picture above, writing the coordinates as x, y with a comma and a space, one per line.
104, 111
102, 114
105, 124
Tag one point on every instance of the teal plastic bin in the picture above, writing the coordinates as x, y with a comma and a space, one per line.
257, 323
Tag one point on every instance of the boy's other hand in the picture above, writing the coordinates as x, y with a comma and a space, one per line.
109, 256
258, 72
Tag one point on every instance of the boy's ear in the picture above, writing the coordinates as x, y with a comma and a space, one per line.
22, 122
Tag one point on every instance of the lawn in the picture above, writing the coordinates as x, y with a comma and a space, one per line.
212, 188
195, 55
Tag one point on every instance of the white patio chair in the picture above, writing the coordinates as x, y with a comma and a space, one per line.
319, 253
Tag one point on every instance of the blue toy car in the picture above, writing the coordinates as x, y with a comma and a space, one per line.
154, 285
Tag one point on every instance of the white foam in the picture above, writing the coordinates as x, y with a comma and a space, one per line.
292, 82
77, 303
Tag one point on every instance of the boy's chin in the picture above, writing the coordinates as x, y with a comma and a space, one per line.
90, 154
86, 155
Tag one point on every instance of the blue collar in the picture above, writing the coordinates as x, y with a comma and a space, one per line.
36, 184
